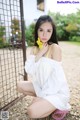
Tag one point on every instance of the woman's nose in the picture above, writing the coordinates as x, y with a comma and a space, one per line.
44, 34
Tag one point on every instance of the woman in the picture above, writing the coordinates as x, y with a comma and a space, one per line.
48, 84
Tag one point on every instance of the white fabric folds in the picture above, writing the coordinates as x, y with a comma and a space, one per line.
49, 81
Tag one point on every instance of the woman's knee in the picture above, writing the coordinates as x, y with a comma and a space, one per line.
31, 112
19, 86
35, 113
26, 88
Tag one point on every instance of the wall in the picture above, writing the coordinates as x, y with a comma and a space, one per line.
31, 12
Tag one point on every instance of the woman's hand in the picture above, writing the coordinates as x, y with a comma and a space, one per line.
42, 51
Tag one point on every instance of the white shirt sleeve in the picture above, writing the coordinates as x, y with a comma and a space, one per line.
30, 65
56, 81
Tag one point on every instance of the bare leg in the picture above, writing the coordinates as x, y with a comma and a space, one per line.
40, 108
26, 87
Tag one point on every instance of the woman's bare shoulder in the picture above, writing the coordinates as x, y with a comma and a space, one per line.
55, 46
56, 52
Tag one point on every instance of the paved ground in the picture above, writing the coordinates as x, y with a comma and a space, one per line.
71, 65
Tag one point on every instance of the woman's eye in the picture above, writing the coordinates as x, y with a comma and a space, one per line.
40, 30
49, 31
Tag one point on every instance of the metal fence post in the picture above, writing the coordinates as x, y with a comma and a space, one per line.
23, 35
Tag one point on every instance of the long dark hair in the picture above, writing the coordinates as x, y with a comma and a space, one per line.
40, 21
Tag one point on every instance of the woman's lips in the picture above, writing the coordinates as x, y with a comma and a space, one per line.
44, 39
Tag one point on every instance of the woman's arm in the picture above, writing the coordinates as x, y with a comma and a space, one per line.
41, 52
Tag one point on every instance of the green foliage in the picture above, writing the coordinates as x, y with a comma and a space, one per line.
75, 38
60, 33
15, 28
4, 45
30, 34
71, 27
2, 33
68, 26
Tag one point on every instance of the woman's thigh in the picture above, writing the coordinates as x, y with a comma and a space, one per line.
40, 108
25, 87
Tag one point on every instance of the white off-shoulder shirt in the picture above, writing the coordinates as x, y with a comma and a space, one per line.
49, 81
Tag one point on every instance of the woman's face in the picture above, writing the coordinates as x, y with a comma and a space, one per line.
45, 31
